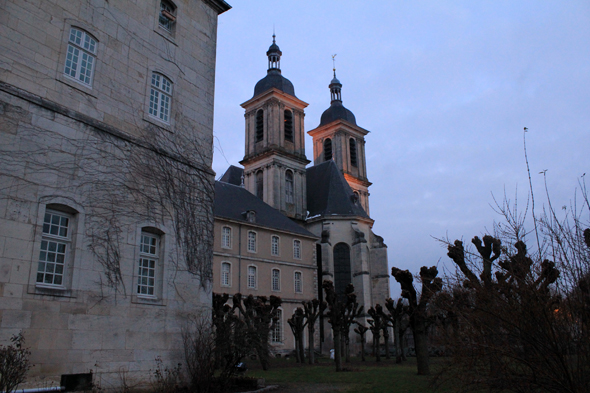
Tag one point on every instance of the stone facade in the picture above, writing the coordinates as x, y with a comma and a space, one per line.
99, 102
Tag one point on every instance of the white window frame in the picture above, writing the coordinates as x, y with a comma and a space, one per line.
147, 267
226, 238
297, 249
160, 97
275, 245
225, 275
277, 332
252, 277
275, 280
81, 53
56, 245
298, 282
252, 241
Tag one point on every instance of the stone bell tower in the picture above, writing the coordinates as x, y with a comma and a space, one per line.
340, 139
275, 161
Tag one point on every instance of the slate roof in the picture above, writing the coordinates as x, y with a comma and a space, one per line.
337, 111
233, 175
232, 202
328, 193
274, 79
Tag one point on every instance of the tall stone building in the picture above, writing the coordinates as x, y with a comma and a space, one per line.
329, 199
106, 115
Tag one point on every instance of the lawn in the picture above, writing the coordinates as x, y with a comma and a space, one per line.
361, 377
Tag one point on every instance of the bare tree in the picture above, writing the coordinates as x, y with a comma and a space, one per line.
313, 309
14, 363
361, 330
417, 308
297, 323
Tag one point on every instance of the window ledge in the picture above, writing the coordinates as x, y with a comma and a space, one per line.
74, 84
157, 123
44, 290
154, 301
168, 36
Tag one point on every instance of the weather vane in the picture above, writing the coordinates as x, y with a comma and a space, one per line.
334, 64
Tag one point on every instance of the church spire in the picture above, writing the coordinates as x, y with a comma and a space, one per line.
274, 56
335, 85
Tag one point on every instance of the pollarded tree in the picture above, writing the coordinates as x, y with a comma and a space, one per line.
377, 323
312, 310
361, 330
337, 306
297, 323
417, 308
396, 314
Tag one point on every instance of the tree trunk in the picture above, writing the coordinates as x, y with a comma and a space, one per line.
363, 348
386, 339
376, 339
301, 348
311, 356
421, 344
398, 342
337, 349
347, 349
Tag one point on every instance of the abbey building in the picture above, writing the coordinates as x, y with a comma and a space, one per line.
328, 202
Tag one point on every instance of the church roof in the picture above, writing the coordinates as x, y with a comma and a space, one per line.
233, 175
328, 193
337, 111
272, 79
232, 202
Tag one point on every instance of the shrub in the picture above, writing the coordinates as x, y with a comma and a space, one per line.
14, 363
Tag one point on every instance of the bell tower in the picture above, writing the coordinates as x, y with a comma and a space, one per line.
275, 161
340, 139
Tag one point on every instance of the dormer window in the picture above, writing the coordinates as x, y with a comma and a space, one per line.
251, 216
167, 16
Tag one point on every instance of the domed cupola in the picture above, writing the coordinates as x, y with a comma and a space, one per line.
273, 77
336, 110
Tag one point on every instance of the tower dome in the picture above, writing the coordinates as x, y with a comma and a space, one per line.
273, 76
336, 111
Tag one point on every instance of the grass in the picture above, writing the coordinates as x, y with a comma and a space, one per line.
362, 377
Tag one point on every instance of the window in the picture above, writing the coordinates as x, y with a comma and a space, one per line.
352, 145
148, 260
226, 237
298, 282
260, 184
288, 125
160, 96
225, 274
55, 247
277, 331
167, 15
289, 186
252, 277
251, 241
276, 280
274, 245
327, 149
81, 57
297, 249
259, 125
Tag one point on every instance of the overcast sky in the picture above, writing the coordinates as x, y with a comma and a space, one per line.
445, 89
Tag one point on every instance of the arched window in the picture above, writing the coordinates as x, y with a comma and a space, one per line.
149, 255
260, 184
277, 331
56, 246
167, 15
289, 187
352, 145
276, 280
226, 237
160, 97
259, 125
298, 282
288, 125
327, 149
274, 245
225, 274
252, 277
342, 271
81, 56
297, 249
251, 241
